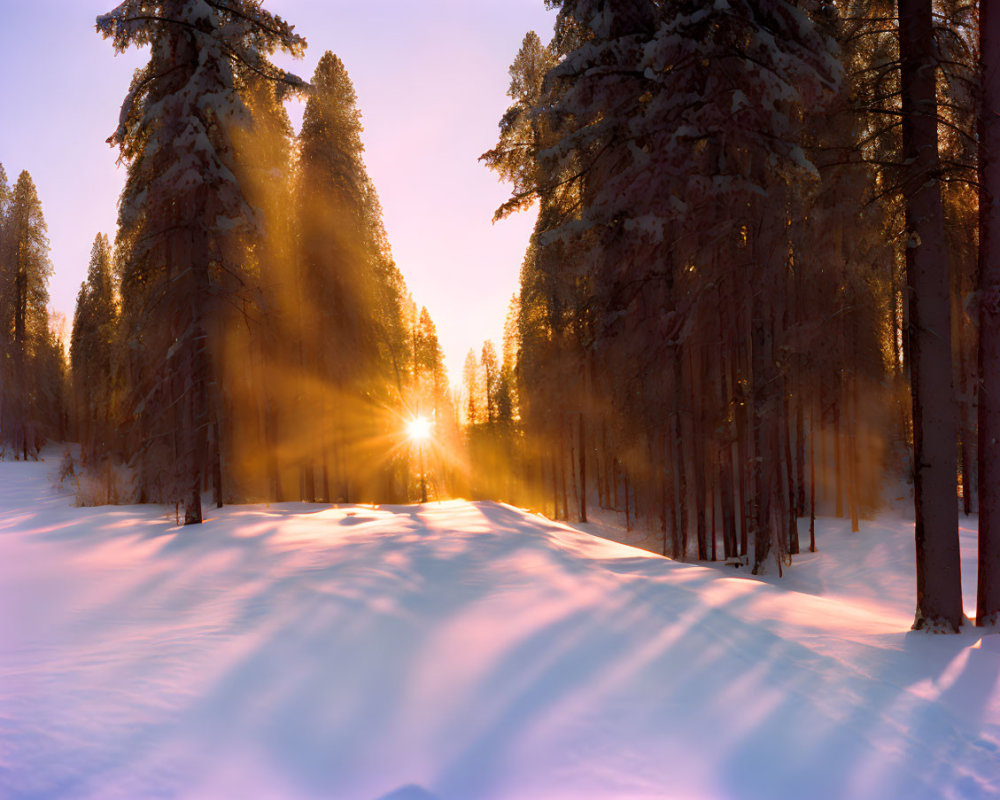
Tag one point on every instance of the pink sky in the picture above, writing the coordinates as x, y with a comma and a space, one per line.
431, 79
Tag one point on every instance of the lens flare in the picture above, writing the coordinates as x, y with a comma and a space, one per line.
419, 429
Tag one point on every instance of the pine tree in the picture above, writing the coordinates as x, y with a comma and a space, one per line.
181, 212
92, 354
351, 333
23, 299
471, 385
491, 379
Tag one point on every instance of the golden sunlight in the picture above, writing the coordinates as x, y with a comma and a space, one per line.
419, 429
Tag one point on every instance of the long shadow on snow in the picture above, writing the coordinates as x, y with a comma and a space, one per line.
338, 630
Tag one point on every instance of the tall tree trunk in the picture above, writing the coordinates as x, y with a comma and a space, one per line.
838, 460
741, 460
599, 469
964, 414
216, 464
628, 521
765, 455
939, 577
698, 453
562, 473
800, 453
679, 456
196, 440
853, 500
670, 466
988, 588
583, 470
792, 516
812, 480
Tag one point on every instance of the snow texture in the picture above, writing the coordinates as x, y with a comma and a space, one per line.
462, 651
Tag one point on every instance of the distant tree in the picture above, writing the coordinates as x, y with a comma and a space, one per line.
491, 379
428, 363
5, 196
471, 379
92, 354
24, 273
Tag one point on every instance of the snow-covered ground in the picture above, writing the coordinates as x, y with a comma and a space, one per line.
463, 651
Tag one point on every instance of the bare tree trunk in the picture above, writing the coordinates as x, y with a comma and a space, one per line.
939, 577
812, 481
562, 473
628, 522
614, 485
793, 526
679, 458
967, 437
217, 464
555, 488
851, 400
599, 460
670, 462
583, 471
824, 472
988, 588
698, 449
800, 454
838, 461
741, 460
764, 429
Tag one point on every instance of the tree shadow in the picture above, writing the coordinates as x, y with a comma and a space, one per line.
455, 652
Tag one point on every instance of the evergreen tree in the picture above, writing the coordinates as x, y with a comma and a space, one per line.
181, 212
491, 379
92, 355
24, 274
473, 392
352, 340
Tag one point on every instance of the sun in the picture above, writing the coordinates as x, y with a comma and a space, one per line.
419, 429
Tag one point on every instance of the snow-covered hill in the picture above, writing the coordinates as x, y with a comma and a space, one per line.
463, 651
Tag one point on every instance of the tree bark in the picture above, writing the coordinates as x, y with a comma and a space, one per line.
583, 471
812, 481
698, 455
939, 577
964, 415
988, 588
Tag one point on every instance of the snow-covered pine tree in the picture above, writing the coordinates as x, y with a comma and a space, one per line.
553, 305
181, 210
676, 134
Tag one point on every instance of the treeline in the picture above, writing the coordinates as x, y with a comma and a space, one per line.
736, 307
32, 364
249, 333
